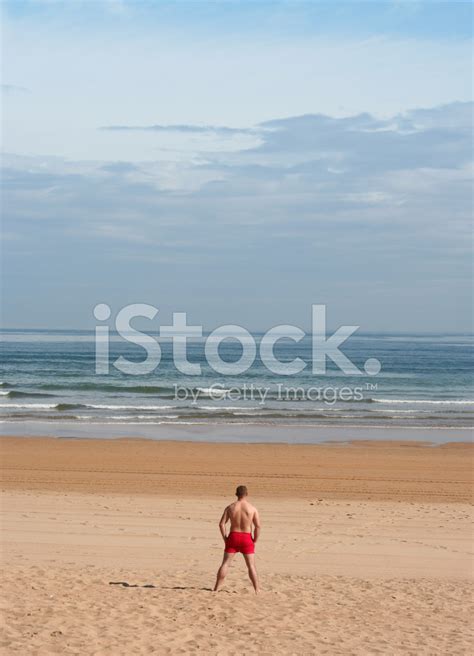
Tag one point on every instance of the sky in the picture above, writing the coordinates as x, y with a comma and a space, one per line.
238, 161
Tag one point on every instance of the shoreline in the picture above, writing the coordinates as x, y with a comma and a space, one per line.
245, 433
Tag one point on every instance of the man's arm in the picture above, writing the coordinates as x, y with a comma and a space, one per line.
257, 526
223, 522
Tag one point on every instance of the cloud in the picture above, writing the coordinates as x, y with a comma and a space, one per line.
363, 143
119, 167
455, 115
415, 138
10, 89
186, 129
349, 210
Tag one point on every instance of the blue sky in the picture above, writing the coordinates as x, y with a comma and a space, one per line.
238, 161
429, 19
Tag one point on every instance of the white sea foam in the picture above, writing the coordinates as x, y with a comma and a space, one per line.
150, 422
27, 406
224, 407
213, 391
428, 401
397, 411
51, 406
129, 407
125, 417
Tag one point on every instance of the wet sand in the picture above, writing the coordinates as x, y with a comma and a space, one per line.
398, 471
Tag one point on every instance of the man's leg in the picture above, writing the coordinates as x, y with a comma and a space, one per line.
250, 561
223, 569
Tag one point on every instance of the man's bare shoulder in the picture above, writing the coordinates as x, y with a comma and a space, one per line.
245, 505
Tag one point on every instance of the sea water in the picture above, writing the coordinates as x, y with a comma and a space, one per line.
49, 378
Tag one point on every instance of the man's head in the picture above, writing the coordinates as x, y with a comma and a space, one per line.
241, 491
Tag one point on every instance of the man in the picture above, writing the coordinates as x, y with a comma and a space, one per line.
242, 516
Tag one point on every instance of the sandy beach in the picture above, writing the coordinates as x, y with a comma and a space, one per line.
236, 255
111, 547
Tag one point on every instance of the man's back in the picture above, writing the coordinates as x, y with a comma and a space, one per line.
241, 514
243, 517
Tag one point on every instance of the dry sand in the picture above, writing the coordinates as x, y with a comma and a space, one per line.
111, 547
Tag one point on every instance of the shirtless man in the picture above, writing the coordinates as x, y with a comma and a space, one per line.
242, 516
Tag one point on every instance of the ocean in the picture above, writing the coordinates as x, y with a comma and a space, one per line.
49, 383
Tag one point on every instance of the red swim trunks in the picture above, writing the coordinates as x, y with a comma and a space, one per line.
239, 542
